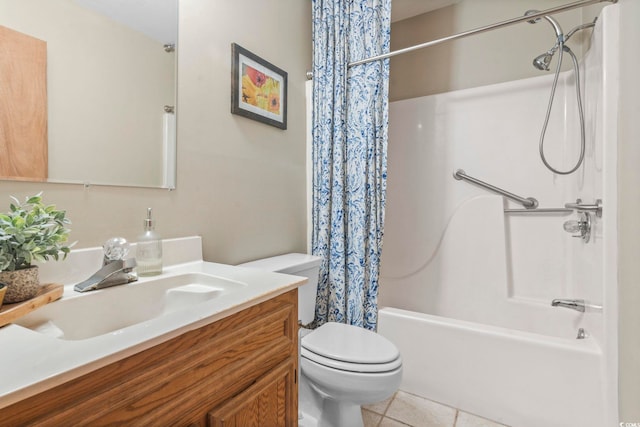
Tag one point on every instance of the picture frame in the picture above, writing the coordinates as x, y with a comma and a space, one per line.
258, 88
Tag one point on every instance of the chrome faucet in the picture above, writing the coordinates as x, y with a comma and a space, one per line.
116, 270
115, 273
574, 304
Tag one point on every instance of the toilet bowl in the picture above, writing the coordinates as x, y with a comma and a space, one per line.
348, 367
342, 366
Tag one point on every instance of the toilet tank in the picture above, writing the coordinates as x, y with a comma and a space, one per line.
298, 265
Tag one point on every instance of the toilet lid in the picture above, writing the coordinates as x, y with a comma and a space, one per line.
371, 368
347, 344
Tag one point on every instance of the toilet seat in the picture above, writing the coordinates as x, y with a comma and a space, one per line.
350, 348
371, 368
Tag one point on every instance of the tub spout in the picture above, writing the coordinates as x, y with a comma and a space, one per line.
574, 304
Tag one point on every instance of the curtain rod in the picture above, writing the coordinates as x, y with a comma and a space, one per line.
508, 22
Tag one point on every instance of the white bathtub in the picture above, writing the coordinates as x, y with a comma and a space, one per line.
517, 378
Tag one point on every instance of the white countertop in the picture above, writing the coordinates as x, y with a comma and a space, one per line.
31, 362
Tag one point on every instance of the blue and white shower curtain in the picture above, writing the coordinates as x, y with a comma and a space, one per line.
350, 122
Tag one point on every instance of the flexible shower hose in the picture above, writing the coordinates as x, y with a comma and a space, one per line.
580, 113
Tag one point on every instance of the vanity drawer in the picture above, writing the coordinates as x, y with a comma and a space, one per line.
264, 403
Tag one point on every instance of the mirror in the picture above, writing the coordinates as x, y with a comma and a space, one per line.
109, 70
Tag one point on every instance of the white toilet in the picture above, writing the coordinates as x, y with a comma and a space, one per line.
342, 366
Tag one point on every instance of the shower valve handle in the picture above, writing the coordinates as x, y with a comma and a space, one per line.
573, 227
582, 226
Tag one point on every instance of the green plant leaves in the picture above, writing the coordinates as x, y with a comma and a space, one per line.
31, 231
35, 200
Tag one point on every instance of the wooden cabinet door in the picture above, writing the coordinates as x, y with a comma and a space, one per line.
269, 402
23, 106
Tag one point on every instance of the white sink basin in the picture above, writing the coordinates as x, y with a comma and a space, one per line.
112, 309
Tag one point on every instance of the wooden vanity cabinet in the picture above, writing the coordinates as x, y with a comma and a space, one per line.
238, 371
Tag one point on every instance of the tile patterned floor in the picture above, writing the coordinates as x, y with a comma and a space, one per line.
404, 409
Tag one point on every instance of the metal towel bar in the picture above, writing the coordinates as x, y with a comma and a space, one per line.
596, 207
563, 211
569, 208
527, 202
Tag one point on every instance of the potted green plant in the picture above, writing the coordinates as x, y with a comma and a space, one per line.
30, 231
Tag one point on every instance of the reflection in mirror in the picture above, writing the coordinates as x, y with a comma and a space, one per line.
91, 97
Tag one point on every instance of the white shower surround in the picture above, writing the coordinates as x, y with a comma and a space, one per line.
471, 286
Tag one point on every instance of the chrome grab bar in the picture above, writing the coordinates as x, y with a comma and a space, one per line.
562, 211
569, 208
528, 202
580, 207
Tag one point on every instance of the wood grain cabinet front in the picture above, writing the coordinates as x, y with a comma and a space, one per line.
238, 371
263, 404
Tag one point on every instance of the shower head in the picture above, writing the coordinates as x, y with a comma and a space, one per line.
542, 62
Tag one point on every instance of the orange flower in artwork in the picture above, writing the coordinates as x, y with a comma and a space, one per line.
274, 103
257, 78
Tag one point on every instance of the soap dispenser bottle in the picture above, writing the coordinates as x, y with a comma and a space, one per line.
149, 250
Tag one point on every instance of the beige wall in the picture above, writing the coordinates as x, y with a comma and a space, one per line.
629, 206
240, 184
496, 56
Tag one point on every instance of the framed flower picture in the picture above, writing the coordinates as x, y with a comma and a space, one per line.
258, 88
